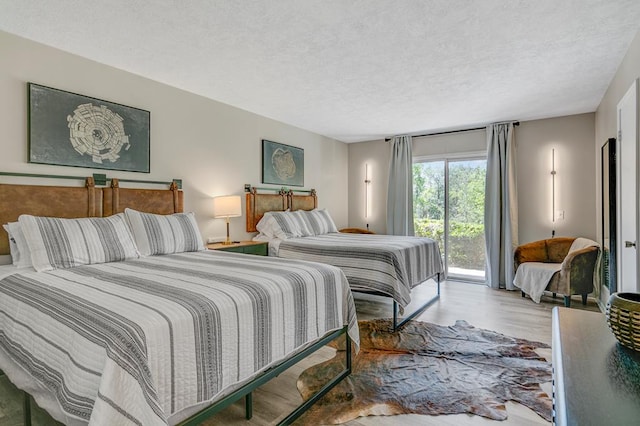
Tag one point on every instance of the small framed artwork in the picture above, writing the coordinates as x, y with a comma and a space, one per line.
282, 164
68, 129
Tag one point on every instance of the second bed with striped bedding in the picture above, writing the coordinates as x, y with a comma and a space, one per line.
387, 264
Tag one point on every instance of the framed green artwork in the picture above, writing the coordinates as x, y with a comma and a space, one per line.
68, 129
282, 164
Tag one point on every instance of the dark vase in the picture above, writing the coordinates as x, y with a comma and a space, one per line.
623, 318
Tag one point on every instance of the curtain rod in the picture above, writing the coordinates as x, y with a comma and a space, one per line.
515, 123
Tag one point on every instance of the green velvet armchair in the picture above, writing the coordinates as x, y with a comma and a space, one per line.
578, 268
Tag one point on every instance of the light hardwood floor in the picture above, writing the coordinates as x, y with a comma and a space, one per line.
502, 311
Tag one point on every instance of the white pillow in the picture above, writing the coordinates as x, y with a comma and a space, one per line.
65, 243
262, 237
20, 253
320, 221
13, 246
164, 234
268, 226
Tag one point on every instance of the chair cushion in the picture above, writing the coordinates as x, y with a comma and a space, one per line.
557, 248
532, 252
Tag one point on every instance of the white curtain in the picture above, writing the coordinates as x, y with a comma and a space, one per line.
501, 206
400, 192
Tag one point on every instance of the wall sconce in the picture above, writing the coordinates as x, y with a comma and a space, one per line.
225, 207
553, 185
367, 192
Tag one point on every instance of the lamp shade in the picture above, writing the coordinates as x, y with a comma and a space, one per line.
227, 206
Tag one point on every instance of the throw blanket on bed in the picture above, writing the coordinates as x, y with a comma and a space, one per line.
534, 277
388, 264
136, 342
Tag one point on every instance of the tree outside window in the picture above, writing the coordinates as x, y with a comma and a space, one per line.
466, 182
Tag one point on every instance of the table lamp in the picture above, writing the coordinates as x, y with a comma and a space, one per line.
225, 207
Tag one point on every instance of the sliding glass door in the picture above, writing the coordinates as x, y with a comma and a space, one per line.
449, 207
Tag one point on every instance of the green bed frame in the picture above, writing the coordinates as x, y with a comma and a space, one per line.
247, 389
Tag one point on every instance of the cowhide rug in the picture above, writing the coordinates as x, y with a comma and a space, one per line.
430, 369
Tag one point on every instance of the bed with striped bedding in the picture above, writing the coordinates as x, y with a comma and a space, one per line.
386, 264
152, 340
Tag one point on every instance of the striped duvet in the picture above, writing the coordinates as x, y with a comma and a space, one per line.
387, 264
142, 341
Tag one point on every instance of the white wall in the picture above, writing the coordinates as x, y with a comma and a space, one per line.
214, 148
572, 137
629, 70
376, 155
606, 122
450, 144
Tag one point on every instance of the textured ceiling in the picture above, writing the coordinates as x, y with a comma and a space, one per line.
354, 70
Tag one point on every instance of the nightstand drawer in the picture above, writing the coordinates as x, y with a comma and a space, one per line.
259, 248
239, 249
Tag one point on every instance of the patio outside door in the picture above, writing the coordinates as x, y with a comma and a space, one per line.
449, 208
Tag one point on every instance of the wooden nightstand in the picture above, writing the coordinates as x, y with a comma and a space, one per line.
260, 248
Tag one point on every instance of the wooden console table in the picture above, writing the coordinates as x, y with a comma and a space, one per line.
596, 381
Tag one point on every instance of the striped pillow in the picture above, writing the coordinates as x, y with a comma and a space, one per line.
65, 243
320, 221
164, 234
284, 225
305, 226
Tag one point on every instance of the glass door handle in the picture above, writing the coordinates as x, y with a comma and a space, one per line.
628, 244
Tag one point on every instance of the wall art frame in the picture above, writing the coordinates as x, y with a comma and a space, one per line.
282, 164
69, 129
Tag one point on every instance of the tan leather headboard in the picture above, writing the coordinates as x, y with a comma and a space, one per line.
258, 204
303, 202
158, 201
56, 201
87, 201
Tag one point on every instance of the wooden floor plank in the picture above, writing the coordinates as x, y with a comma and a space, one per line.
502, 311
